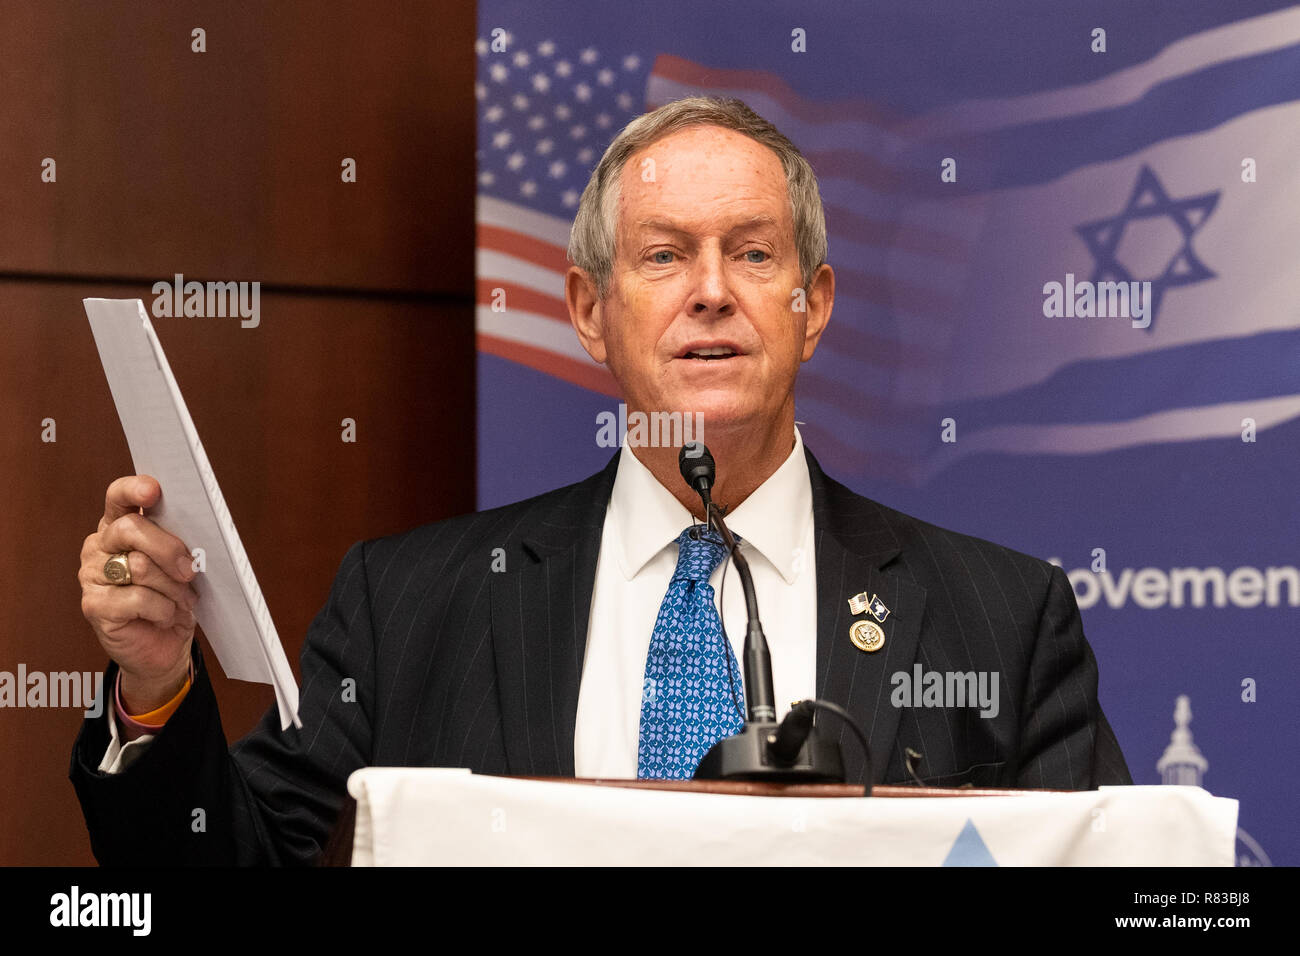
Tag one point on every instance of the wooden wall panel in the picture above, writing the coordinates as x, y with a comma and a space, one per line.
268, 403
225, 166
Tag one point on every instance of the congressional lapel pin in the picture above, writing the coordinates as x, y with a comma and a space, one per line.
868, 636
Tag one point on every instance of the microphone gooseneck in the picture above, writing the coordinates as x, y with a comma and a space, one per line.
794, 751
698, 468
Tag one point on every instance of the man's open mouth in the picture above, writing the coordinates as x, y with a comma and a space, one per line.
712, 354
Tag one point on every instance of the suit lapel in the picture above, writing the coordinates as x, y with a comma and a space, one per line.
854, 546
539, 626
540, 616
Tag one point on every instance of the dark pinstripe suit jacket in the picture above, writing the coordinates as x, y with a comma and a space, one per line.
454, 664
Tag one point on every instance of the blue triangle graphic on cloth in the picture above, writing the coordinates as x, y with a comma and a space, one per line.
969, 849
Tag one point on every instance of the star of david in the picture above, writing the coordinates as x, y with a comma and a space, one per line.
1150, 201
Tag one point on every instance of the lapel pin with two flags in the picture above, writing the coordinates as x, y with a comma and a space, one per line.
868, 635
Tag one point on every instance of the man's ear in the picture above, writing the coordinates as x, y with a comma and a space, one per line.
585, 312
821, 298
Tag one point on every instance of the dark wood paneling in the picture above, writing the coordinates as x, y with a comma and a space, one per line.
268, 403
226, 164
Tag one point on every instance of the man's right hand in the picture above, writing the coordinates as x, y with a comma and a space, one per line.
146, 626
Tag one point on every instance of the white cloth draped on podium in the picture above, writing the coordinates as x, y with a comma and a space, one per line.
413, 817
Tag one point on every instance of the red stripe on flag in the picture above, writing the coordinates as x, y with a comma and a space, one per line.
858, 167
523, 246
690, 73
889, 355
880, 290
882, 232
522, 298
584, 374
892, 293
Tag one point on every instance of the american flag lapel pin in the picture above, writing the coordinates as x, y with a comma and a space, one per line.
868, 636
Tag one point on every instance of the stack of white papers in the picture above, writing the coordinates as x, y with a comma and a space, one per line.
165, 444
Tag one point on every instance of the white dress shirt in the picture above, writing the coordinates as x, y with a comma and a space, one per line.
638, 555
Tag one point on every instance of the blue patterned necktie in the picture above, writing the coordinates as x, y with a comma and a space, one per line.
693, 695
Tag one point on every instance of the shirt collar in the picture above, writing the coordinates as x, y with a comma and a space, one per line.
772, 521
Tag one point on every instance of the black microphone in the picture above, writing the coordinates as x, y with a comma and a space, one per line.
794, 751
698, 469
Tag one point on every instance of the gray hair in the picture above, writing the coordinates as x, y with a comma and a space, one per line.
591, 241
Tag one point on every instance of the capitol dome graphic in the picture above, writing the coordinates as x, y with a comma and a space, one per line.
1183, 765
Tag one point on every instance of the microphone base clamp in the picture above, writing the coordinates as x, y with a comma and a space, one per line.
746, 756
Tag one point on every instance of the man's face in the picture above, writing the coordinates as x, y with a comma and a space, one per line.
705, 262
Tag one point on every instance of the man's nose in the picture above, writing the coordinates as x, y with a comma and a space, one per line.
712, 292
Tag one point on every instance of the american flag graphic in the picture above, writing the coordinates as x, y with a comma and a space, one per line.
546, 113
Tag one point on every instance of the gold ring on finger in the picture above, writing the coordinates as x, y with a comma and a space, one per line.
117, 570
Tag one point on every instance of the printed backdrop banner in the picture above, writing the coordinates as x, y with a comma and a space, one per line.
1066, 314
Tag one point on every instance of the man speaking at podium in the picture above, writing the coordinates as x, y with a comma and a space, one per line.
577, 633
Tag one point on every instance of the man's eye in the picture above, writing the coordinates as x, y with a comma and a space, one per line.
759, 253
662, 257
